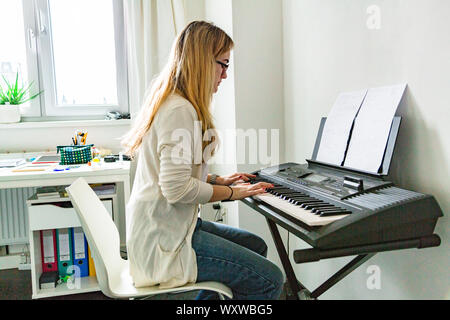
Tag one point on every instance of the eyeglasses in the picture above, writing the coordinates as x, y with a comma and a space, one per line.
224, 65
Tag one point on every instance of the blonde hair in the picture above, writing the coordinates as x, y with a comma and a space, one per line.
190, 72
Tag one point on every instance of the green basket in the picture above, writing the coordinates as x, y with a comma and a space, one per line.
75, 154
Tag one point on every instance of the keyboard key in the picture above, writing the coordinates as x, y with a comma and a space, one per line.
306, 216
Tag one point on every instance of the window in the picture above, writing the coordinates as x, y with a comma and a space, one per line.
16, 50
78, 46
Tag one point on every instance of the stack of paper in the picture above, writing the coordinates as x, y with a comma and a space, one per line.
356, 132
372, 127
104, 189
337, 127
11, 163
47, 192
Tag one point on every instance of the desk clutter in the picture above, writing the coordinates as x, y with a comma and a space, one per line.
75, 154
78, 153
11, 163
66, 156
69, 158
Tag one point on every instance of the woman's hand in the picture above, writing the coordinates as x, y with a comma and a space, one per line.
234, 178
244, 190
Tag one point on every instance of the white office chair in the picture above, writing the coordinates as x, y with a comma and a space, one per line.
112, 271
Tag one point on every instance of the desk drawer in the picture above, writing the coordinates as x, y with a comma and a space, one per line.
49, 216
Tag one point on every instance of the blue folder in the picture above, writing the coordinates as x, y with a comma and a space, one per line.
80, 251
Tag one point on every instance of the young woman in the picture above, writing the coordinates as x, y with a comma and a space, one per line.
168, 245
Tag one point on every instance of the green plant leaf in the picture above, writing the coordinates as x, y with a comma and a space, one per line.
32, 97
16, 86
16, 95
7, 83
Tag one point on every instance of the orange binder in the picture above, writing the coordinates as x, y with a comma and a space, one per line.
91, 264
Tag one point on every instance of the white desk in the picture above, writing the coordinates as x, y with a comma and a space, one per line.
113, 172
118, 173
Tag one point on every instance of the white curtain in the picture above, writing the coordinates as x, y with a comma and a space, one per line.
151, 27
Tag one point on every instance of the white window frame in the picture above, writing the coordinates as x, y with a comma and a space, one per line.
33, 107
40, 39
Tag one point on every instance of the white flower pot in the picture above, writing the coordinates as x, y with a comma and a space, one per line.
9, 113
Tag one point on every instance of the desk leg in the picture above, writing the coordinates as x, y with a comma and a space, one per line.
126, 190
294, 284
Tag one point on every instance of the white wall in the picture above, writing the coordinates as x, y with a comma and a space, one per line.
252, 97
219, 12
328, 48
258, 59
194, 10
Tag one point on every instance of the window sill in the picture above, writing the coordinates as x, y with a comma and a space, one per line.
62, 124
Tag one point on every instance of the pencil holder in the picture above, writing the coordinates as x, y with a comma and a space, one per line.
75, 154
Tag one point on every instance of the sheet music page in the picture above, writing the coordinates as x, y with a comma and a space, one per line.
337, 127
372, 127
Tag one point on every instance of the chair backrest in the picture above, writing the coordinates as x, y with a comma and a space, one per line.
101, 233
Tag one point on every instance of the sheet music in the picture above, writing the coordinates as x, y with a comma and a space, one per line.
372, 127
337, 127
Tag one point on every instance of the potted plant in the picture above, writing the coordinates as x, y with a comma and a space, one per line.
11, 98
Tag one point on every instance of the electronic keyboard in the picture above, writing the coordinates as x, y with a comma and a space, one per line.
341, 211
331, 207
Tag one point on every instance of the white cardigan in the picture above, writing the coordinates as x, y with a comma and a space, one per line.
162, 211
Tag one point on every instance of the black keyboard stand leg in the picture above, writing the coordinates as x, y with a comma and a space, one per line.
341, 274
294, 285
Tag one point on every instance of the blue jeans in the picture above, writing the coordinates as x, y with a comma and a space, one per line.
236, 258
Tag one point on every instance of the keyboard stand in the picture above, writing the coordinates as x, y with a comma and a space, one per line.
364, 253
293, 283
297, 290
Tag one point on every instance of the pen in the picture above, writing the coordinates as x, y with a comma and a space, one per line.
83, 138
61, 169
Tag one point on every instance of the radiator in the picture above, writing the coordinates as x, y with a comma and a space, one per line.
14, 215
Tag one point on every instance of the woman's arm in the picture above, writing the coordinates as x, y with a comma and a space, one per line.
176, 151
220, 193
237, 192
